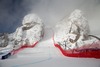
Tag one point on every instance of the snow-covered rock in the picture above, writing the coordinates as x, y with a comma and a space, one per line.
73, 32
28, 34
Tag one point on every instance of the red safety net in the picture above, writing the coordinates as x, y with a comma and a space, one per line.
85, 53
23, 47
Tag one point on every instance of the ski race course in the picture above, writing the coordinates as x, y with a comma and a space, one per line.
45, 54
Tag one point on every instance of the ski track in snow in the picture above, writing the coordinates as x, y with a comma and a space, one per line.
45, 54
35, 62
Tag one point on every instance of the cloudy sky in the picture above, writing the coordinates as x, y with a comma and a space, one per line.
50, 11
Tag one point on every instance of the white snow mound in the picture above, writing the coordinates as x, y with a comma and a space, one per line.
73, 32
28, 34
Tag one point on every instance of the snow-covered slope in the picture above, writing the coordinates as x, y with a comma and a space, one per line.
74, 32
28, 34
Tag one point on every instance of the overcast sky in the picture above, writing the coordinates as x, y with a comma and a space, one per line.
50, 11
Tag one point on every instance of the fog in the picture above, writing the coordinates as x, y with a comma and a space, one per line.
50, 11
